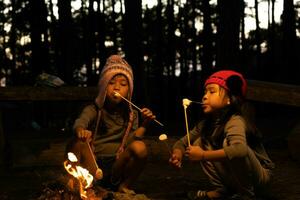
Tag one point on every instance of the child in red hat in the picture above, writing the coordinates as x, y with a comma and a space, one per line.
226, 142
110, 127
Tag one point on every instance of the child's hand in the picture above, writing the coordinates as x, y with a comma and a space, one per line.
147, 116
194, 153
84, 134
176, 158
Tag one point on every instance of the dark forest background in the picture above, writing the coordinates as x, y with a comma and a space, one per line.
172, 48
169, 55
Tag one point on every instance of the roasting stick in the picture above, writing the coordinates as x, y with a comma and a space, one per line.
99, 173
164, 137
119, 95
186, 103
186, 124
92, 154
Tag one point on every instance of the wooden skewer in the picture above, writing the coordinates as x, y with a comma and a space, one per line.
164, 137
119, 95
197, 102
187, 126
187, 102
92, 154
99, 172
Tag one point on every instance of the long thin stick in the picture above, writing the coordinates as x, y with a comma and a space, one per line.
197, 102
187, 126
168, 147
117, 94
92, 154
163, 138
186, 102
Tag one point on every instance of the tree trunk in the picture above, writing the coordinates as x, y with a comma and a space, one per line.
171, 55
158, 61
227, 56
257, 39
207, 60
53, 35
133, 45
39, 58
102, 53
290, 49
66, 40
12, 42
114, 26
170, 89
90, 42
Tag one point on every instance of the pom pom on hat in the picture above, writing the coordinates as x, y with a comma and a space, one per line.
224, 79
114, 65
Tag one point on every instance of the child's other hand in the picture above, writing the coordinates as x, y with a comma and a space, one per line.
194, 153
176, 158
84, 134
147, 116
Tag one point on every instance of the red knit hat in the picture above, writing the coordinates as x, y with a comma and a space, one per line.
221, 78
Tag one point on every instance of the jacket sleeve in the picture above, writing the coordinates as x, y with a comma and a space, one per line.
86, 118
235, 143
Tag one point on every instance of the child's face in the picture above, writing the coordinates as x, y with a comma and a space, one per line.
118, 83
215, 98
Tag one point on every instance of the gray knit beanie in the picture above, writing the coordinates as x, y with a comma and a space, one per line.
114, 65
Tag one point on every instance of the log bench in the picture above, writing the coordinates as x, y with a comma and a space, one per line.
261, 91
258, 91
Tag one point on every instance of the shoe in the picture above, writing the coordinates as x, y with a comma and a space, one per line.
198, 195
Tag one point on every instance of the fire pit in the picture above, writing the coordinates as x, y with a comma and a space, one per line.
59, 191
77, 184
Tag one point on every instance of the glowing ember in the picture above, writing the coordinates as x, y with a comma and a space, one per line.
81, 174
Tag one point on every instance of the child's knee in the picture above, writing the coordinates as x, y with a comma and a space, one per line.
139, 149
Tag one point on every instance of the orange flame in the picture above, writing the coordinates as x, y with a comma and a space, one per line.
81, 174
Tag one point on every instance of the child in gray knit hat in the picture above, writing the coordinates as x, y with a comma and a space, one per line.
110, 125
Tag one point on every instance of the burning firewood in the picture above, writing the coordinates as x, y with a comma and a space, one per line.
82, 175
77, 184
61, 191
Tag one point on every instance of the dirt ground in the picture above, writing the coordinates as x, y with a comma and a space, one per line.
165, 183
159, 181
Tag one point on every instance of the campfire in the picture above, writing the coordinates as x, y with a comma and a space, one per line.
85, 179
77, 184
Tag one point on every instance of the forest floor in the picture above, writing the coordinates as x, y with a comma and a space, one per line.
159, 181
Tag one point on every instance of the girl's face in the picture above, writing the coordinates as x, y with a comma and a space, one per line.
118, 83
215, 98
